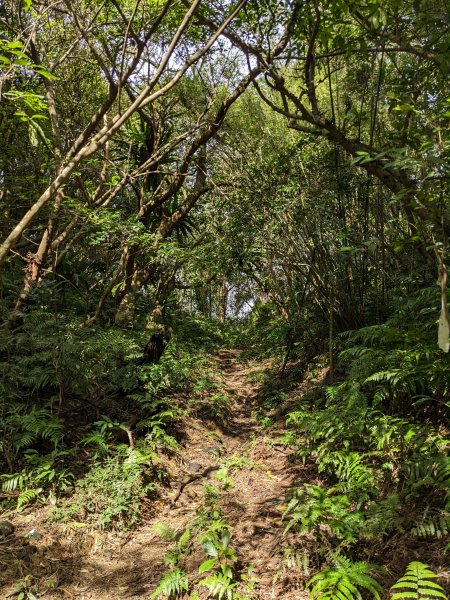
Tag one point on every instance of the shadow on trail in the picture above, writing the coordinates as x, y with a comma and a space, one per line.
88, 565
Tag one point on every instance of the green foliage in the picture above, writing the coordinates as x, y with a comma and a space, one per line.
215, 542
173, 584
195, 330
417, 583
21, 428
213, 534
264, 333
354, 476
433, 523
206, 383
166, 533
176, 368
52, 362
179, 550
294, 561
215, 407
44, 474
345, 581
400, 359
314, 506
209, 400
322, 197
220, 585
175, 581
109, 496
26, 589
382, 516
371, 444
353, 437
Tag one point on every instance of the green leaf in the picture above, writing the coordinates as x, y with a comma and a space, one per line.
13, 45
417, 583
207, 565
226, 570
226, 536
44, 73
184, 539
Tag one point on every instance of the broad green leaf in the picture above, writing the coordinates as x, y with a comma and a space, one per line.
207, 565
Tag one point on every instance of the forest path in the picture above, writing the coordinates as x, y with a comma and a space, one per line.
237, 470
252, 476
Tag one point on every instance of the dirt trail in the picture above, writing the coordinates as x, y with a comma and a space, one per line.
257, 476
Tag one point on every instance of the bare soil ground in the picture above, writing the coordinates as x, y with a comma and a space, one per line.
69, 562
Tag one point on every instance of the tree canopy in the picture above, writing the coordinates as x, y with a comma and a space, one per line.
269, 174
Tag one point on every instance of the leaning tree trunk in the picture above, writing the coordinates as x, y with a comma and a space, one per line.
33, 269
36, 261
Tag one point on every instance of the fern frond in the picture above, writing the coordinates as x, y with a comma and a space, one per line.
416, 584
12, 482
219, 585
173, 584
433, 523
165, 532
28, 495
342, 581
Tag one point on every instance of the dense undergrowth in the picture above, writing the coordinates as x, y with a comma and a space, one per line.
85, 420
87, 425
378, 438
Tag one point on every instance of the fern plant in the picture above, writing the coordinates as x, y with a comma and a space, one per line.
45, 474
355, 478
220, 585
417, 584
432, 523
21, 428
172, 585
165, 531
400, 358
352, 438
175, 581
181, 549
314, 506
344, 581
